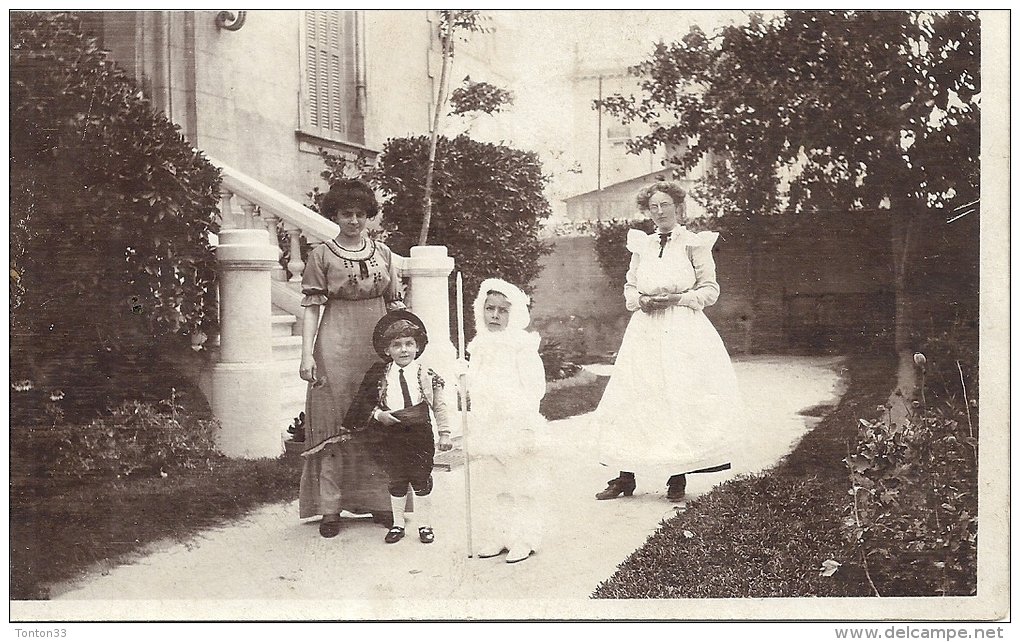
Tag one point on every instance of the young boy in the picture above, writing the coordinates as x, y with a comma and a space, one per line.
394, 399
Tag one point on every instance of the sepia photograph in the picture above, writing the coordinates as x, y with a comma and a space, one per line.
532, 315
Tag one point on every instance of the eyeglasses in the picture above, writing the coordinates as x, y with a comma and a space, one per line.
660, 207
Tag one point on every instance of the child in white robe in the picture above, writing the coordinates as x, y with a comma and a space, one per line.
506, 382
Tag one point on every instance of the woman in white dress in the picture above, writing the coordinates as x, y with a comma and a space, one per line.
672, 403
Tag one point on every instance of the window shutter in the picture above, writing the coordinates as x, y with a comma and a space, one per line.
324, 76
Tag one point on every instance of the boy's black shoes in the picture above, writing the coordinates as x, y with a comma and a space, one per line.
426, 535
395, 534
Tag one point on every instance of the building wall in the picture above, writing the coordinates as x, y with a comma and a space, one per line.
247, 91
573, 303
616, 164
401, 71
236, 94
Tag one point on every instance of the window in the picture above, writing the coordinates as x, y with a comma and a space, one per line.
332, 83
618, 133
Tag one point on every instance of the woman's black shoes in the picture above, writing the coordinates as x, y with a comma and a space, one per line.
622, 485
676, 487
330, 525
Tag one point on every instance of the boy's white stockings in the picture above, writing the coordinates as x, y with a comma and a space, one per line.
398, 504
422, 503
421, 510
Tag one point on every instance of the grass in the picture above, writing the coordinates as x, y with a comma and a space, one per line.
61, 529
766, 535
569, 401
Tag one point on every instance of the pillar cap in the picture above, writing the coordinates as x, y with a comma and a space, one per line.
429, 260
249, 248
428, 251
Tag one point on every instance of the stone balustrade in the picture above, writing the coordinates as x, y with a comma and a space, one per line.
245, 381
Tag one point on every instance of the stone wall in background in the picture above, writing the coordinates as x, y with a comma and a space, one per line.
812, 290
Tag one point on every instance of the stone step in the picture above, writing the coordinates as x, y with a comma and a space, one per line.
283, 324
286, 348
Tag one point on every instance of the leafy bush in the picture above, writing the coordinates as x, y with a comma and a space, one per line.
557, 364
913, 517
137, 438
611, 247
487, 206
110, 211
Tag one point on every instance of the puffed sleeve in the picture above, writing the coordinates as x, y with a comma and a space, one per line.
630, 291
313, 280
706, 289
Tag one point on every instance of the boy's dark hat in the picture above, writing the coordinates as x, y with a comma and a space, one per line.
389, 319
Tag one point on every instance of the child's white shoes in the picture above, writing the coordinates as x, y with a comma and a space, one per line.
491, 550
518, 554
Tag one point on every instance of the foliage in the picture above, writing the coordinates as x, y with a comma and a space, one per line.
557, 364
110, 208
479, 96
718, 548
488, 197
137, 438
820, 110
913, 516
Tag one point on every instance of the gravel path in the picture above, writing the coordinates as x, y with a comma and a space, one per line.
271, 565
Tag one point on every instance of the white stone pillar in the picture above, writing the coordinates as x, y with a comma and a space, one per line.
245, 390
429, 268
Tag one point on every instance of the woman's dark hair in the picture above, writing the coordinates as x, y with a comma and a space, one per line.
671, 189
349, 192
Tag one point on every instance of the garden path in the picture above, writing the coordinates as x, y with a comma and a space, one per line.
270, 565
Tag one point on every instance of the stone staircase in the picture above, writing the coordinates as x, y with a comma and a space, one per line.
256, 399
287, 357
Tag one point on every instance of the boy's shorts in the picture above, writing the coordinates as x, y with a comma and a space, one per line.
407, 456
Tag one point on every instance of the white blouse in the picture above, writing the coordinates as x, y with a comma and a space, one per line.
686, 267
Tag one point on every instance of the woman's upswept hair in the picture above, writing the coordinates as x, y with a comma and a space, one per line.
349, 192
669, 188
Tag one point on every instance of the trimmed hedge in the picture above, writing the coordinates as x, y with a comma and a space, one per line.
111, 211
